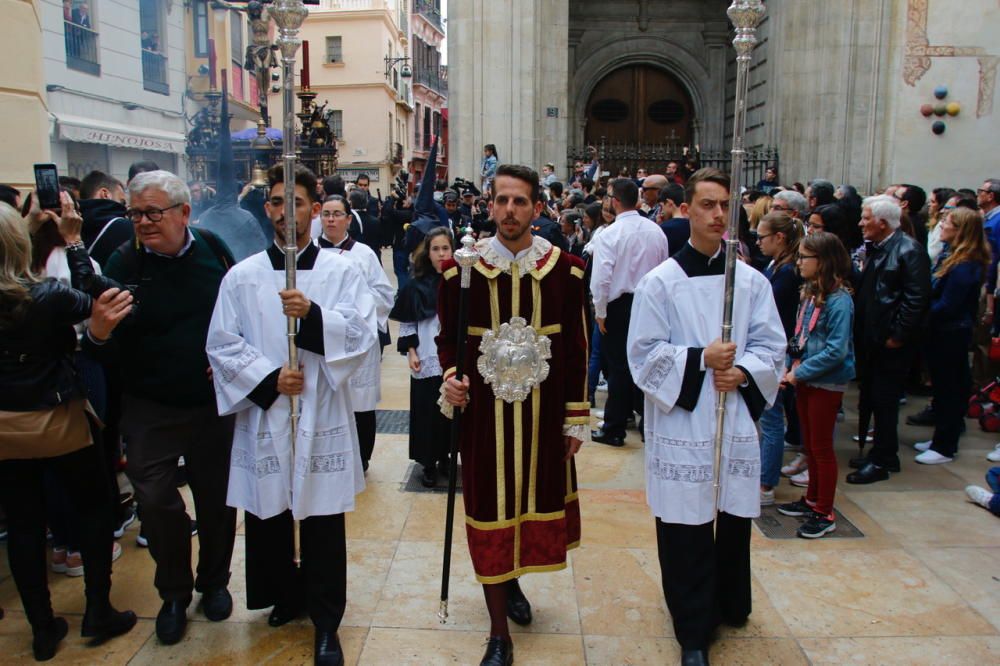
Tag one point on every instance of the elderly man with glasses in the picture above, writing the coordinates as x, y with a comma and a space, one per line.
168, 402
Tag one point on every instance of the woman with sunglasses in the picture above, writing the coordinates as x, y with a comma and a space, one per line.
822, 360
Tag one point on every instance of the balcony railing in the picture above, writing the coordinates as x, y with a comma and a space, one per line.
434, 78
427, 9
81, 49
396, 153
154, 72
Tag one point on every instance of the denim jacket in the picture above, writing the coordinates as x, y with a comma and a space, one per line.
829, 351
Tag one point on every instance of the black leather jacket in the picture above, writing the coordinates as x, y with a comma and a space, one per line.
893, 293
36, 354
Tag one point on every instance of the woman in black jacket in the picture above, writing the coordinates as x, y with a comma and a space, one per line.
44, 423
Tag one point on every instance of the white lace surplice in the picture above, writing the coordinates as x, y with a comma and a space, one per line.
672, 312
246, 342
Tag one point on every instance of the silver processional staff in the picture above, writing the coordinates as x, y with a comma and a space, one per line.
745, 16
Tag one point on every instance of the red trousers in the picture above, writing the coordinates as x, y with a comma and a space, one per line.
817, 417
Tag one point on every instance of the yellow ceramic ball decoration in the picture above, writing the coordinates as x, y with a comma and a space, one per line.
953, 108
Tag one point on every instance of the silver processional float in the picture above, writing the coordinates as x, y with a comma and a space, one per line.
288, 15
745, 15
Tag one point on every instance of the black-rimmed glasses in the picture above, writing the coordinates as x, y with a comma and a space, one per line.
154, 215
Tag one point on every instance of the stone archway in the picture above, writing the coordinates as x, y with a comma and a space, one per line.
704, 81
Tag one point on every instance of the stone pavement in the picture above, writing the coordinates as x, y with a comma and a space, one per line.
921, 587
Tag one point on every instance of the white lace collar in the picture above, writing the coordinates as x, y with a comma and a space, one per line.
493, 253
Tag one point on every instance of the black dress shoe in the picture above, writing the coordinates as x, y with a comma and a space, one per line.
104, 624
428, 478
922, 418
284, 613
217, 604
694, 657
518, 607
870, 473
602, 437
327, 650
171, 621
857, 462
499, 652
47, 639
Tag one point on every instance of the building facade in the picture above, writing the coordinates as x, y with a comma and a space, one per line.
352, 48
836, 88
115, 81
23, 101
430, 85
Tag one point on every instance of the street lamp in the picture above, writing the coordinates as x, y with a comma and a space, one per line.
404, 71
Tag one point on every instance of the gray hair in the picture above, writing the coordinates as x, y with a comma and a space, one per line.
795, 201
886, 208
176, 189
993, 185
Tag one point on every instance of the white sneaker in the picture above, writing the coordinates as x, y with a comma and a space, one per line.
797, 465
923, 446
930, 457
869, 438
767, 497
801, 479
994, 455
979, 495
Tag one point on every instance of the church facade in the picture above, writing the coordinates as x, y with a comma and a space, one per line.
837, 90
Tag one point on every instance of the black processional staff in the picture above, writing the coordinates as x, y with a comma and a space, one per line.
466, 258
745, 15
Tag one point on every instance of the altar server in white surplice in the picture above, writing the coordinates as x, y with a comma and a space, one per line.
366, 383
679, 363
248, 351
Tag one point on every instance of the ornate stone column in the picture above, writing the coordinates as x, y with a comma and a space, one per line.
716, 37
508, 82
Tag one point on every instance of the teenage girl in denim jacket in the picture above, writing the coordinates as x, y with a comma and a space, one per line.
822, 362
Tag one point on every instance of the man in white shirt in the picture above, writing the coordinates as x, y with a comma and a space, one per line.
631, 247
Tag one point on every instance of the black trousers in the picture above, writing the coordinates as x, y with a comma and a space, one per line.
948, 362
157, 436
882, 385
84, 476
429, 429
365, 423
273, 578
706, 579
623, 396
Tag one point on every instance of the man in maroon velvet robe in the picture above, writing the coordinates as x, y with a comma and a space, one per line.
519, 481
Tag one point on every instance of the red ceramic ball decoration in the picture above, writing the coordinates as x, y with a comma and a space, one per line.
926, 110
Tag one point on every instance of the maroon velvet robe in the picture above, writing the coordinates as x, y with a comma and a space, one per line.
521, 505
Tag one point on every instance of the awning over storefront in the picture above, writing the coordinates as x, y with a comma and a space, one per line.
89, 130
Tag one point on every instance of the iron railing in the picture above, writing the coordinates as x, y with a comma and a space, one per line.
654, 157
432, 78
81, 49
427, 9
154, 72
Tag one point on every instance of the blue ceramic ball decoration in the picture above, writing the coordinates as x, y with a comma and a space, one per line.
938, 127
941, 92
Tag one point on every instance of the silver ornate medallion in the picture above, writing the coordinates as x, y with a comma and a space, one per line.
514, 360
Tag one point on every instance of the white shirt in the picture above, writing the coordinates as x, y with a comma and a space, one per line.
631, 247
